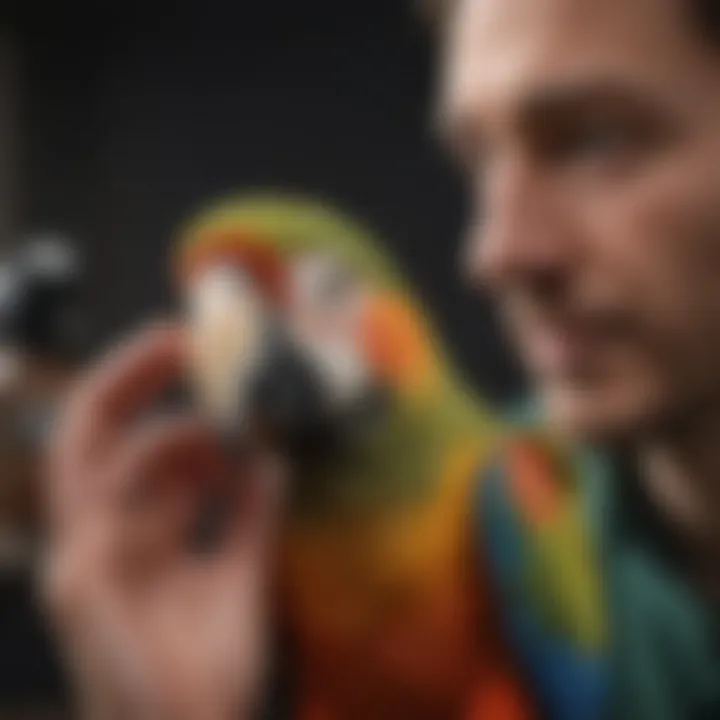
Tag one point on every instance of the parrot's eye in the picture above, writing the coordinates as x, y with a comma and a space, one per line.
334, 284
323, 281
325, 317
327, 302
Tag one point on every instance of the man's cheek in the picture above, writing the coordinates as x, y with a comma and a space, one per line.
660, 248
685, 271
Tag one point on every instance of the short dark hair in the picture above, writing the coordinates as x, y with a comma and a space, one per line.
705, 15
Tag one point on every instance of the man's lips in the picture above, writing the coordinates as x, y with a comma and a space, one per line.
566, 349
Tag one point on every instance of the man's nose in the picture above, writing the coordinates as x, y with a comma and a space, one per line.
520, 230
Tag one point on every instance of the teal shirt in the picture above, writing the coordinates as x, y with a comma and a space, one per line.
665, 637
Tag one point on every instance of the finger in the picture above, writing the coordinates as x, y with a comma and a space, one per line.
122, 384
151, 536
156, 489
126, 379
160, 453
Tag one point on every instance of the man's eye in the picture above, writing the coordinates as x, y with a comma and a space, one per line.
602, 141
593, 143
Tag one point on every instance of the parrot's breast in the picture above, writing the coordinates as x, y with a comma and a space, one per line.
387, 610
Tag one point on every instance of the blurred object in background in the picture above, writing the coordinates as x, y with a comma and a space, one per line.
40, 349
31, 376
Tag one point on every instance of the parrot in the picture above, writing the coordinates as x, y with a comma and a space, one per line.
305, 328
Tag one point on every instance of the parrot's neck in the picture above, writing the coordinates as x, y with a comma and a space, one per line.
401, 459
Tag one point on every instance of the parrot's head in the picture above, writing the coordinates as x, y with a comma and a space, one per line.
295, 308
301, 325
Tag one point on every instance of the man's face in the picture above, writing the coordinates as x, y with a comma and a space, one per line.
590, 131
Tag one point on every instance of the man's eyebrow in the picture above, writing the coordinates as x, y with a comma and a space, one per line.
547, 108
547, 104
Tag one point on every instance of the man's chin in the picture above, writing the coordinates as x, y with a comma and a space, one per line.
595, 415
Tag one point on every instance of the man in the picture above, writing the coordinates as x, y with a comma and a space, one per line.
591, 135
590, 131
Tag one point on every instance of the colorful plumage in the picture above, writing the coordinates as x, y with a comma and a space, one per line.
540, 519
382, 589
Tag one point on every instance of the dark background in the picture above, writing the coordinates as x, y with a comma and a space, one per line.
130, 116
